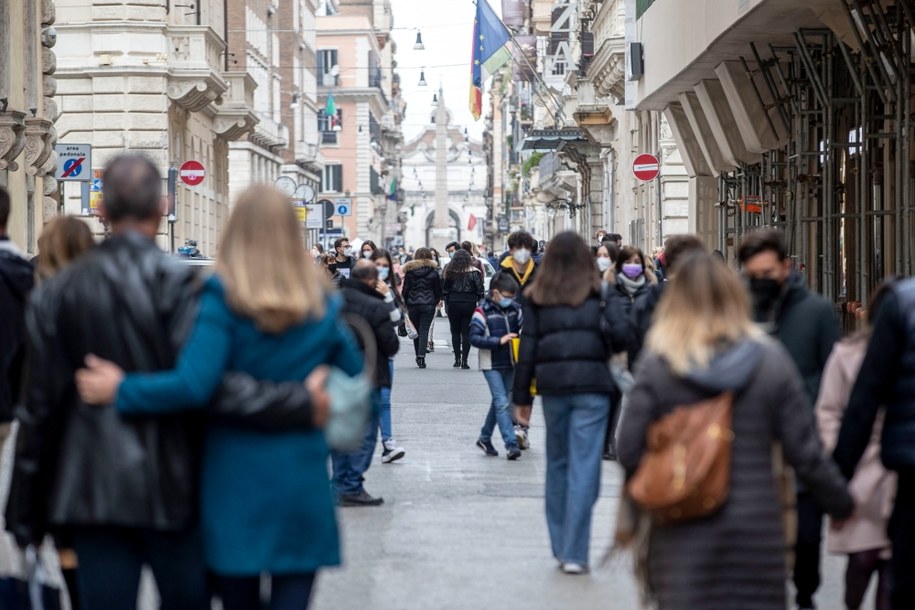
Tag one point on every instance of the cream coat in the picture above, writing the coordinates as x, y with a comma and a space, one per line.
872, 487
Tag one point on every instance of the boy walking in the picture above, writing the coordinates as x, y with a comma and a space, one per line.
493, 326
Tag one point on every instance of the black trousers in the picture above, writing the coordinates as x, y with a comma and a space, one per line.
902, 535
459, 316
111, 559
287, 591
421, 317
807, 549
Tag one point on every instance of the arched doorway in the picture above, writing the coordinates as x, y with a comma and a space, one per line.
454, 226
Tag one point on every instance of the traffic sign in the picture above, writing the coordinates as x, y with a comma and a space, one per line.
315, 218
192, 172
343, 206
74, 162
646, 167
96, 186
301, 212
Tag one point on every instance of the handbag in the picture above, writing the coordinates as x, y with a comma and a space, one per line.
685, 472
402, 328
351, 396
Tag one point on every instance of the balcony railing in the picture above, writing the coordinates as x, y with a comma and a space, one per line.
235, 115
195, 68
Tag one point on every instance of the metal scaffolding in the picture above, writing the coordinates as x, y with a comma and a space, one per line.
841, 184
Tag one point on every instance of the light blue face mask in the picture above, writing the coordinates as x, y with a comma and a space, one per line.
506, 302
383, 273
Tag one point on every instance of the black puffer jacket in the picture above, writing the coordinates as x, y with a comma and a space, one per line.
77, 464
566, 349
886, 381
464, 287
16, 281
362, 301
422, 284
635, 305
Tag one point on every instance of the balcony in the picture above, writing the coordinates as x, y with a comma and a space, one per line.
607, 69
270, 134
195, 67
235, 115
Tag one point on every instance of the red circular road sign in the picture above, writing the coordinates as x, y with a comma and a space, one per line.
192, 172
646, 167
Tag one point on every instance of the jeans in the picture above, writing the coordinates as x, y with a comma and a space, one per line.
350, 468
421, 317
807, 549
902, 535
500, 387
459, 316
385, 405
287, 592
111, 559
575, 429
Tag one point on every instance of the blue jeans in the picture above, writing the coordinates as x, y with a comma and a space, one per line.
350, 468
385, 393
575, 429
500, 386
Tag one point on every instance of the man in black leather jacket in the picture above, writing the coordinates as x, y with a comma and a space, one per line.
124, 488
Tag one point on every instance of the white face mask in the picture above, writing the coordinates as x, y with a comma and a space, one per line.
347, 251
522, 256
367, 254
603, 264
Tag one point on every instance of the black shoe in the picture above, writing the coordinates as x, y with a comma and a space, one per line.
487, 448
457, 362
464, 364
513, 452
360, 499
421, 362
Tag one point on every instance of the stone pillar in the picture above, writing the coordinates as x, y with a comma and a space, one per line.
440, 233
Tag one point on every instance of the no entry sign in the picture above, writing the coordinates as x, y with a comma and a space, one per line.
646, 167
192, 173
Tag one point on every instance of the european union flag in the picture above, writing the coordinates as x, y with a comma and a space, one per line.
489, 53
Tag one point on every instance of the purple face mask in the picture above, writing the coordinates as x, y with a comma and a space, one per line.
632, 270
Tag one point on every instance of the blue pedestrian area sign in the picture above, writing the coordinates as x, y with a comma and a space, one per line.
343, 206
74, 162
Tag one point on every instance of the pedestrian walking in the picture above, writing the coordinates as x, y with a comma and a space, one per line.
605, 256
570, 331
634, 281
267, 314
362, 299
704, 347
468, 247
422, 291
317, 252
886, 383
864, 537
63, 240
343, 252
368, 248
496, 323
17, 277
329, 263
391, 451
806, 325
676, 248
462, 289
124, 488
519, 260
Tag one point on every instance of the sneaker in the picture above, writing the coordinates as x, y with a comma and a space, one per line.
391, 452
360, 499
521, 436
513, 452
487, 447
574, 569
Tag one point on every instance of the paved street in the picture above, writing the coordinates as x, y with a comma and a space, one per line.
459, 530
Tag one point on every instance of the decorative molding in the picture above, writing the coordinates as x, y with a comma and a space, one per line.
48, 13
192, 95
12, 140
38, 135
48, 61
233, 128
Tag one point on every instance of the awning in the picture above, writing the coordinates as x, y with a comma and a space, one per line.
551, 139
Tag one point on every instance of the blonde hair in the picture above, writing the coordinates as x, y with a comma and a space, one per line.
704, 306
63, 240
262, 261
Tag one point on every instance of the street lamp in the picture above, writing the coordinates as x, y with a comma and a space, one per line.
295, 101
422, 78
419, 46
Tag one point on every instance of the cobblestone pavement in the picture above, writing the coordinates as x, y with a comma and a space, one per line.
459, 530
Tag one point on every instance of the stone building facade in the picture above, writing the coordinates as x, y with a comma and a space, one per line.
28, 111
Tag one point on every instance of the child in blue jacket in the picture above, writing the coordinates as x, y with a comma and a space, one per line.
494, 324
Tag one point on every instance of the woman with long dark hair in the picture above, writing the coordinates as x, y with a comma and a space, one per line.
368, 248
463, 289
570, 331
422, 290
386, 276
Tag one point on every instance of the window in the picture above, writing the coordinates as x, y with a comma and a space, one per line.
329, 126
328, 68
375, 182
333, 179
